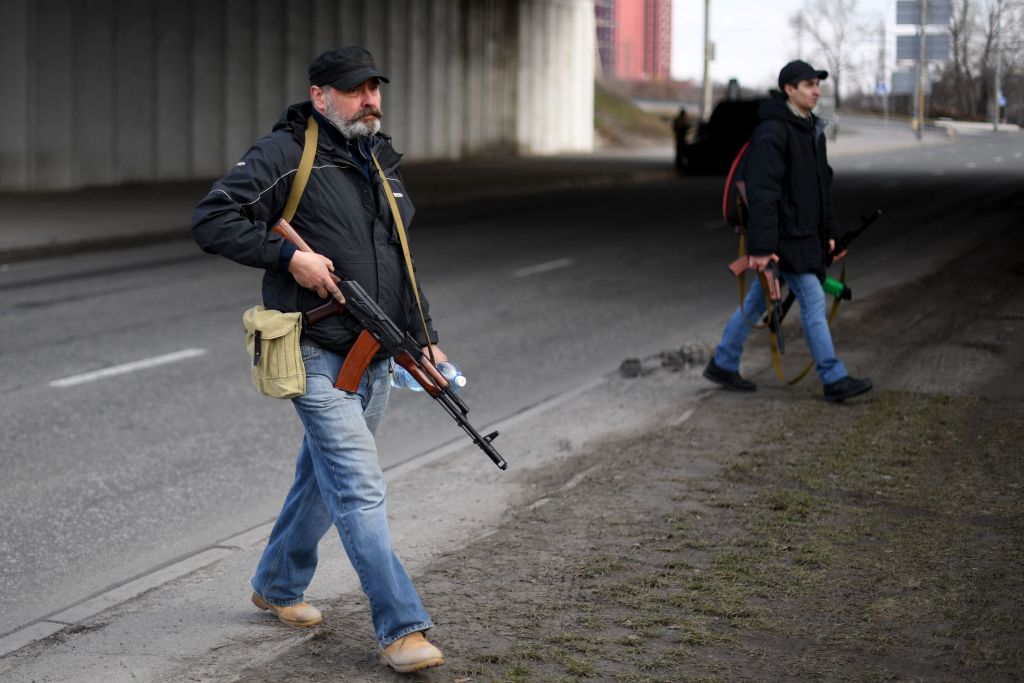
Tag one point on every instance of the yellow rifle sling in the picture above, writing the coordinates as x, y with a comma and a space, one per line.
405, 250
302, 173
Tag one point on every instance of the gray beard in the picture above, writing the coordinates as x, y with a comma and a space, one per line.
352, 129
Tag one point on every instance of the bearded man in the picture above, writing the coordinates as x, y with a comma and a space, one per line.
345, 218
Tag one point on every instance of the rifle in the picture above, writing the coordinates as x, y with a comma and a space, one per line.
380, 332
832, 286
773, 289
850, 235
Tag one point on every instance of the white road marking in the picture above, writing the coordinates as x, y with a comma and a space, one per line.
1016, 155
998, 160
543, 267
971, 164
128, 367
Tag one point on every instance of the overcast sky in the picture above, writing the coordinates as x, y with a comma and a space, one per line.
753, 38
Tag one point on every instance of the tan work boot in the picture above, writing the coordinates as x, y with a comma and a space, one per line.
411, 653
302, 614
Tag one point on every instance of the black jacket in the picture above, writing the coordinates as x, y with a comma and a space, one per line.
343, 215
789, 190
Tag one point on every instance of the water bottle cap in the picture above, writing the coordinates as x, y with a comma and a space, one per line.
459, 381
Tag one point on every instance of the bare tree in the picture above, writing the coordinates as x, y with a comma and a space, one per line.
832, 26
961, 32
982, 32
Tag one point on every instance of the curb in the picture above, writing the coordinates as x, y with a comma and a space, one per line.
86, 245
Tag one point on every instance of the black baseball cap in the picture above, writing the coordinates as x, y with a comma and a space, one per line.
344, 68
799, 70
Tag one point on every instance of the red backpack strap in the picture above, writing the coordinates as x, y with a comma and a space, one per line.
728, 182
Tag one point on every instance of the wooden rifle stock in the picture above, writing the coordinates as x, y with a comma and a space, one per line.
285, 230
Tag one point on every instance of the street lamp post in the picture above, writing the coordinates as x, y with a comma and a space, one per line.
705, 98
998, 85
921, 56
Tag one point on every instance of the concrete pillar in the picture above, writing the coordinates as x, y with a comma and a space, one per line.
417, 69
135, 92
16, 76
50, 100
100, 92
269, 81
94, 95
393, 61
207, 76
238, 126
172, 77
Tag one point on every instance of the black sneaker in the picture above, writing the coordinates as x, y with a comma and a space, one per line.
847, 387
729, 380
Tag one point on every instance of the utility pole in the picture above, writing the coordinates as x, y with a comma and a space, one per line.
921, 70
705, 97
880, 83
997, 90
799, 35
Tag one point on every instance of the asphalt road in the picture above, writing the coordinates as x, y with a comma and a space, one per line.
108, 478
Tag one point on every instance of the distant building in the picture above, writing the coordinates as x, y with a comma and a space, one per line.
634, 38
604, 22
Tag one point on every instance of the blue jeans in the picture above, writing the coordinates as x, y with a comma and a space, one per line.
811, 297
338, 481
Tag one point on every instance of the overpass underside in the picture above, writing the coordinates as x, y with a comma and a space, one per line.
104, 92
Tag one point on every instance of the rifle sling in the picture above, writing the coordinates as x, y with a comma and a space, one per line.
302, 172
404, 239
741, 280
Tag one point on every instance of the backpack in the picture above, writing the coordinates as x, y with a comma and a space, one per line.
735, 208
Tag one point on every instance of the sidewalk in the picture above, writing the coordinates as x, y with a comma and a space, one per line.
43, 224
866, 134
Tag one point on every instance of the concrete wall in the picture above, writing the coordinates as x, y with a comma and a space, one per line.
103, 92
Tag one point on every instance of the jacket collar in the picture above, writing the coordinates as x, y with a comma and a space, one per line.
779, 110
331, 141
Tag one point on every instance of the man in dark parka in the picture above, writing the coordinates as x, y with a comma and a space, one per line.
789, 183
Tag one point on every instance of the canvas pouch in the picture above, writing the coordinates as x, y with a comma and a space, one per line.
272, 340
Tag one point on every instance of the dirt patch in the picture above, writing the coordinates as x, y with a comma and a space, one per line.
769, 537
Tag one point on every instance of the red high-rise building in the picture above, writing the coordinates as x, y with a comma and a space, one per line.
634, 38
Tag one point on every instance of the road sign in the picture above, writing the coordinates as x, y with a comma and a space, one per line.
936, 47
905, 83
909, 12
1002, 99
881, 89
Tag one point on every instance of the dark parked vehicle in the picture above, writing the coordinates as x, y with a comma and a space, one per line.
717, 141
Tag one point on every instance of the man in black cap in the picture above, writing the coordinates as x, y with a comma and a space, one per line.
788, 182
345, 217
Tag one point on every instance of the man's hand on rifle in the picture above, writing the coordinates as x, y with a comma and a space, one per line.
759, 263
315, 272
439, 355
835, 257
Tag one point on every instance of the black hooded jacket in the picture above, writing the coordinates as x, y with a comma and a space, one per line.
343, 215
789, 190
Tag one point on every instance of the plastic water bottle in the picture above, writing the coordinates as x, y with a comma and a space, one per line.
403, 380
452, 373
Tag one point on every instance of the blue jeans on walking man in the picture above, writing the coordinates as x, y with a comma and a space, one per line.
811, 297
338, 481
